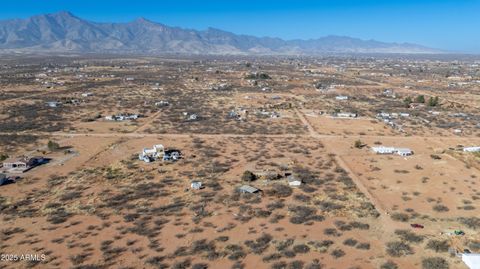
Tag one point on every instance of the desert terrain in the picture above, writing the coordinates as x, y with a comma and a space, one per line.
300, 132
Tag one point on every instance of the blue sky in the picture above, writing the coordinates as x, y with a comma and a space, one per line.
445, 24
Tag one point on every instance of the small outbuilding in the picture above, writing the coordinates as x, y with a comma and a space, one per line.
293, 181
248, 189
196, 185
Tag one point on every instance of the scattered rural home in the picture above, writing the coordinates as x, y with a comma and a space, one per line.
193, 117
162, 103
221, 87
53, 104
471, 260
271, 114
22, 164
122, 117
345, 115
392, 150
248, 189
341, 97
87, 94
151, 154
389, 93
294, 181
196, 185
472, 149
159, 152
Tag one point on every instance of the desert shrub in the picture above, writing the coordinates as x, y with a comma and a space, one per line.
474, 245
182, 264
337, 253
295, 265
53, 146
440, 208
157, 262
284, 244
303, 214
363, 246
438, 245
248, 176
389, 265
279, 265
358, 144
350, 242
315, 264
359, 225
272, 257
260, 244
408, 236
200, 266
279, 190
398, 249
331, 231
434, 263
400, 217
472, 222
301, 248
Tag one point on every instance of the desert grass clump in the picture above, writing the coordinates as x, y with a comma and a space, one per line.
438, 245
434, 263
398, 249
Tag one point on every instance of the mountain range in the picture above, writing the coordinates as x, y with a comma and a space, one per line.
65, 32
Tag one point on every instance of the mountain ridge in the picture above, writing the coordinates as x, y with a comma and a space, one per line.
65, 32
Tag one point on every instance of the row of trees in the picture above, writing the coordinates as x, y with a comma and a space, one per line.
433, 101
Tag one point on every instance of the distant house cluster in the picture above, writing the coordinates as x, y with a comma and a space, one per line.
392, 150
122, 117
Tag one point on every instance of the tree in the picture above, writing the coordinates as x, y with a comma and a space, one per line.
433, 101
420, 99
52, 146
248, 176
407, 101
358, 144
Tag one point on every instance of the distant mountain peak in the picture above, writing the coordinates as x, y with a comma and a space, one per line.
63, 31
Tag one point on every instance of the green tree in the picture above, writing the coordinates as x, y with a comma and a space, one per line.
52, 146
407, 101
420, 99
433, 101
358, 144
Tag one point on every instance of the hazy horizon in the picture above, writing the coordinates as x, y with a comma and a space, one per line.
446, 25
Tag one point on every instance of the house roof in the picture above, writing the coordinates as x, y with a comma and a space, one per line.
472, 260
247, 188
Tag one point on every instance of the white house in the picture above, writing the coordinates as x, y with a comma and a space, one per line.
196, 185
87, 94
392, 150
471, 260
341, 97
472, 149
346, 115
404, 151
293, 181
383, 150
150, 154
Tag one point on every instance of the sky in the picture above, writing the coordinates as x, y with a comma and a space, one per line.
444, 24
